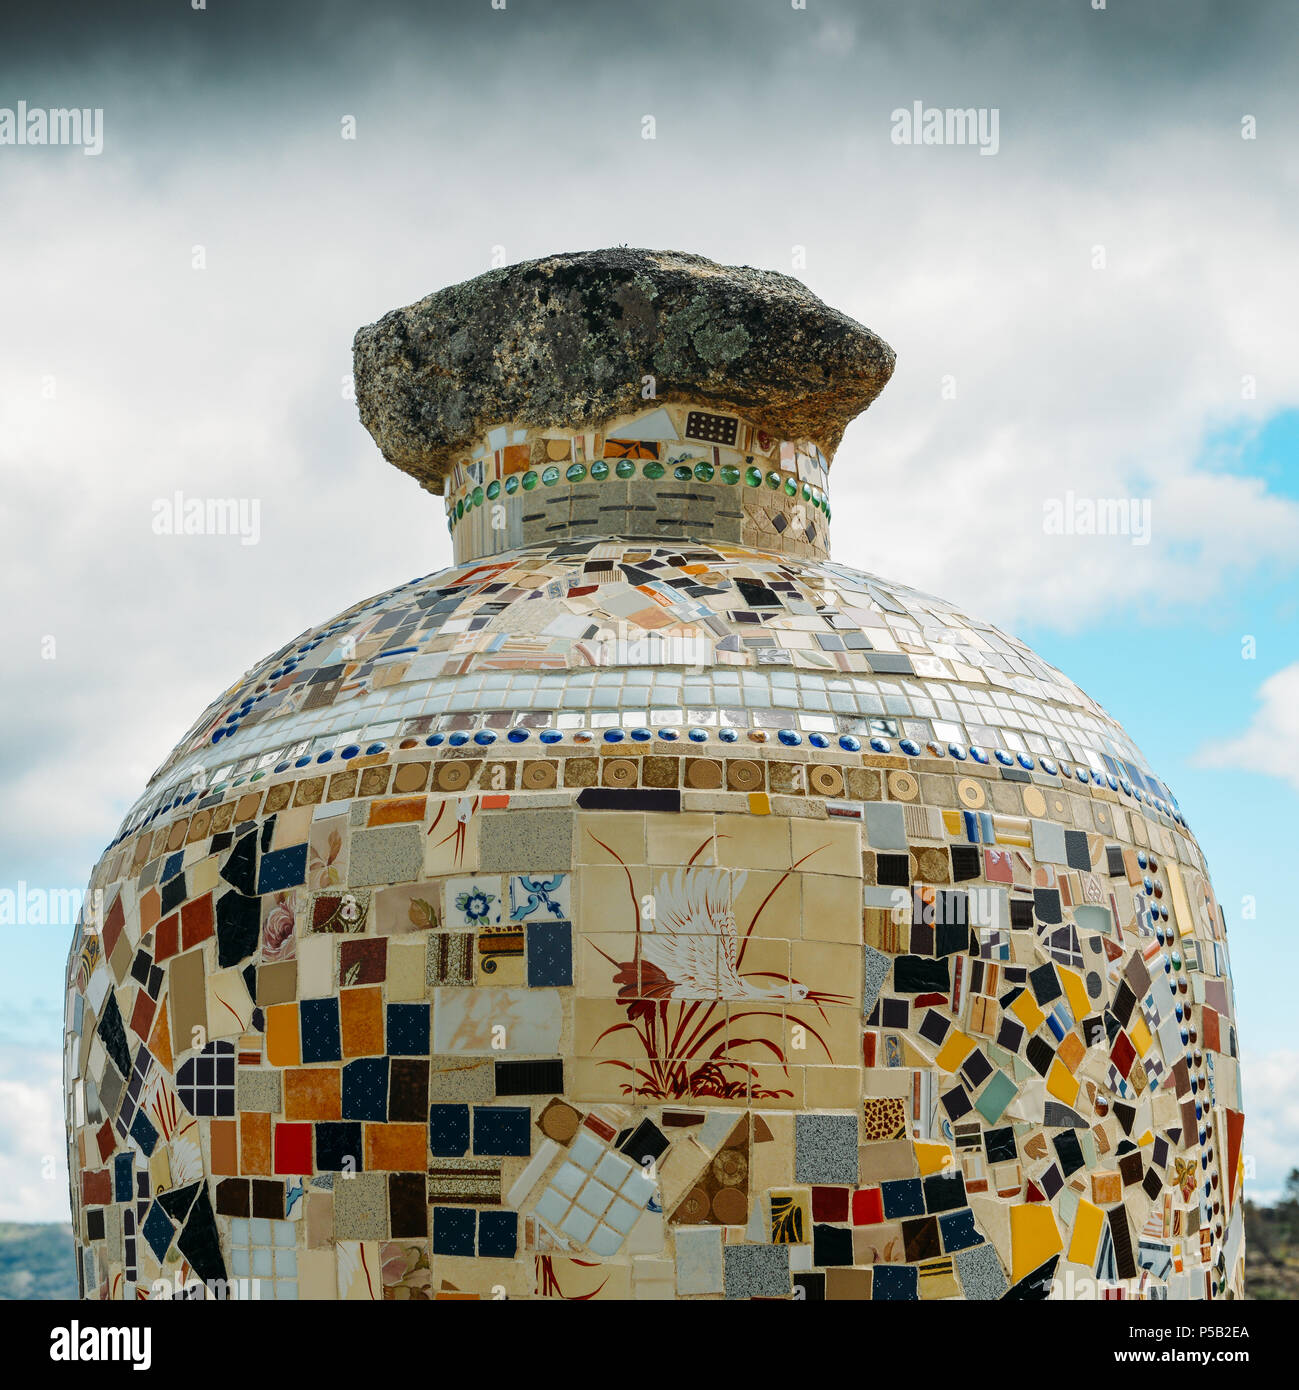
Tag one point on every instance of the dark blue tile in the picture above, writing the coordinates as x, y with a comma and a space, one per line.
498, 1234
550, 954
408, 1030
338, 1147
894, 1284
503, 1131
903, 1197
448, 1130
144, 1133
158, 1231
282, 868
365, 1089
958, 1230
453, 1230
320, 1036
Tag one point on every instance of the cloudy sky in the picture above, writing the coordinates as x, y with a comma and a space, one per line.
1105, 308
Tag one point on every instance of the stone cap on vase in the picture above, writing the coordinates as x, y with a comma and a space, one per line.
621, 392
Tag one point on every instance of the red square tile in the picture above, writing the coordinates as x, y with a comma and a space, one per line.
1123, 1054
829, 1204
293, 1148
196, 921
142, 1015
167, 938
867, 1207
96, 1188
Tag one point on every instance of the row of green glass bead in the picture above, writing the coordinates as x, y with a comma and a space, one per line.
729, 473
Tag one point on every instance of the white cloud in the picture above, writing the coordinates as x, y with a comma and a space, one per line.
33, 1157
1271, 1120
226, 382
1271, 742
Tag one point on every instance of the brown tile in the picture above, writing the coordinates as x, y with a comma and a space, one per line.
254, 1142
361, 1019
224, 1136
277, 983
313, 1093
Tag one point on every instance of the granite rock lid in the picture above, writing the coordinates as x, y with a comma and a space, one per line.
570, 339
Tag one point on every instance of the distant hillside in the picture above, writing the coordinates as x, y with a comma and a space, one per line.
1272, 1251
37, 1261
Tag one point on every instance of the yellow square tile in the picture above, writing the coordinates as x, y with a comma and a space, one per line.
1087, 1227
1061, 1084
282, 1047
1034, 1237
1075, 992
955, 1050
1025, 1009
934, 1158
602, 957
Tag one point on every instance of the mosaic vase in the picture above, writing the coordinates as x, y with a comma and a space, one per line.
648, 906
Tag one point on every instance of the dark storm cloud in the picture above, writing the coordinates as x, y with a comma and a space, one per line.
1146, 46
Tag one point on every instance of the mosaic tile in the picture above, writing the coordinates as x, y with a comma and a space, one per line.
360, 1207
651, 906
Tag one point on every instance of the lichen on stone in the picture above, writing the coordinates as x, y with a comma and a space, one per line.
570, 340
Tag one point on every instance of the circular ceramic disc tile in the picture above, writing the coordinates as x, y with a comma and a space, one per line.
743, 775
538, 776
1034, 801
826, 781
452, 777
410, 777
704, 774
971, 794
903, 786
619, 772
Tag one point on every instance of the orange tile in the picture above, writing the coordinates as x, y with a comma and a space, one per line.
1071, 1051
160, 1040
282, 1046
396, 1148
225, 1148
397, 811
361, 1019
150, 910
255, 1142
313, 1093
1107, 1187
